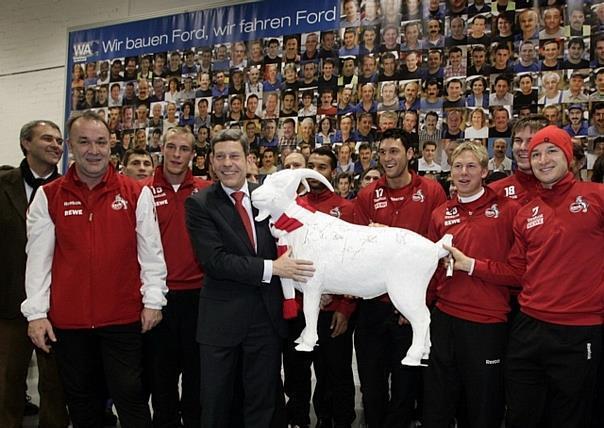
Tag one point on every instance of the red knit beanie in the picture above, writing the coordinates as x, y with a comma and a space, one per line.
556, 136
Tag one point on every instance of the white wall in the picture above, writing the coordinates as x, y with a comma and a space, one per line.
33, 46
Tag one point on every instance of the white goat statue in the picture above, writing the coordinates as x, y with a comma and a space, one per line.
350, 259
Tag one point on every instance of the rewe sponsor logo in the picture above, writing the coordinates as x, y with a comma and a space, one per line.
73, 212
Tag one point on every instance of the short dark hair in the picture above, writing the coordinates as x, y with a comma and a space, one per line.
288, 92
350, 30
551, 41
388, 55
329, 61
576, 41
288, 120
596, 106
364, 146
232, 135
597, 175
432, 113
27, 131
430, 143
345, 175
326, 151
397, 134
500, 108
455, 80
132, 152
502, 77
501, 46
534, 121
272, 150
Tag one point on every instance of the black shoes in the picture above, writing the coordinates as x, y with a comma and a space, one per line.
30, 408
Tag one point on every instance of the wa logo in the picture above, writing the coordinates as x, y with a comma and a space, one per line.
83, 51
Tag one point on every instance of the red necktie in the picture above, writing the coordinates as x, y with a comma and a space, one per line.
238, 196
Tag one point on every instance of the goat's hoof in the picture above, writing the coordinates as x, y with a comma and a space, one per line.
305, 347
414, 362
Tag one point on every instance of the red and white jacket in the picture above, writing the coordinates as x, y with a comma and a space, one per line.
557, 255
328, 202
409, 207
483, 227
184, 270
94, 256
520, 187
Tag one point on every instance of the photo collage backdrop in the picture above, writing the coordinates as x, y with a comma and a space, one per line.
441, 70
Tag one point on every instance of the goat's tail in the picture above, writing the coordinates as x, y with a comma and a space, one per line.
445, 240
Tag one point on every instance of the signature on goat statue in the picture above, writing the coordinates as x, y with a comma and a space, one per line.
349, 259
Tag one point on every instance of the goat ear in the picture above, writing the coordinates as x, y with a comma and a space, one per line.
292, 186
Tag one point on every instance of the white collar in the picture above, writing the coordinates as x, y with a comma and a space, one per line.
474, 197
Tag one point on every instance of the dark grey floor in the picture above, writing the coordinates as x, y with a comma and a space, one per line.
32, 380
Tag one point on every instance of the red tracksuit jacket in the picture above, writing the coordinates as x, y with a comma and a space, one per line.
519, 186
409, 207
557, 255
480, 227
184, 271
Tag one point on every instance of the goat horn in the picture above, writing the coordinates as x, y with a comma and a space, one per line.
304, 173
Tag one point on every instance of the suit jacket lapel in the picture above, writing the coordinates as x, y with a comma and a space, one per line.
15, 190
226, 207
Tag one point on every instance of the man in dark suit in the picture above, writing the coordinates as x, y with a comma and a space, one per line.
42, 145
240, 324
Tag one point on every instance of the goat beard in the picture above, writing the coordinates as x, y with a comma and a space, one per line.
262, 215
